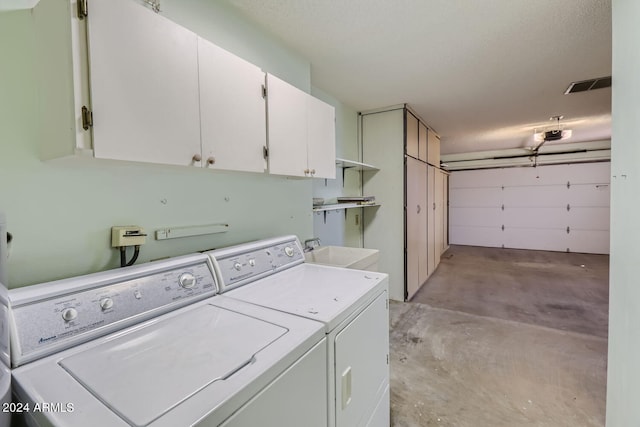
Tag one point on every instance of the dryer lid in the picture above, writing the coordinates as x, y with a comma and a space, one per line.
146, 372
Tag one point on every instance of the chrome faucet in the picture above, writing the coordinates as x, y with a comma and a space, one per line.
309, 245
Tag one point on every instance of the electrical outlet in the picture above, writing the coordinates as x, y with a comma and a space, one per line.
127, 235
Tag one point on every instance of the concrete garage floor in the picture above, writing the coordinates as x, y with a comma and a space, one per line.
502, 337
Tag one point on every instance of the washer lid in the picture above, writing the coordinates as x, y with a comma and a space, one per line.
143, 374
317, 292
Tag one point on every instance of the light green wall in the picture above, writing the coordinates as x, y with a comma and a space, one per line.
334, 227
623, 376
60, 212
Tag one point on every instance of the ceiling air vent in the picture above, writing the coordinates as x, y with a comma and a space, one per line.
585, 85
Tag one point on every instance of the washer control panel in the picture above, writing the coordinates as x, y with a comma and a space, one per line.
54, 320
241, 266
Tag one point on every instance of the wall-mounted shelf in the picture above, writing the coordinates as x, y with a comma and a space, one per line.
339, 206
358, 166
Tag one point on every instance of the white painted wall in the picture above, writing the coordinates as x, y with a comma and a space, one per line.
532, 208
623, 376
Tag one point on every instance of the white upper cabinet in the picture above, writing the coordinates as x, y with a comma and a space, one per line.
301, 132
232, 110
287, 124
321, 142
412, 140
144, 85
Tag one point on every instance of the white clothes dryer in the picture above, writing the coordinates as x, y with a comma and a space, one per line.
152, 345
352, 304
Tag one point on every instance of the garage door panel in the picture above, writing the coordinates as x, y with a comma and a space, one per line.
477, 178
476, 197
475, 236
588, 173
589, 241
475, 217
540, 196
536, 217
595, 194
536, 238
589, 218
542, 175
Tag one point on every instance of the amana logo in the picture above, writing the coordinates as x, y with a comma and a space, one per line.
41, 340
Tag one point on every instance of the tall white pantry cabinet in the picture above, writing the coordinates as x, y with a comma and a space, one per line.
410, 227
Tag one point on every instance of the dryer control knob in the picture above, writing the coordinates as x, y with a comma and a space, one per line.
252, 262
237, 266
187, 280
69, 314
289, 251
106, 303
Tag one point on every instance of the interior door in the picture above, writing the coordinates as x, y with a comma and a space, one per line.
144, 85
416, 232
232, 110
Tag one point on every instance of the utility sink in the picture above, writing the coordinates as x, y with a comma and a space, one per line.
341, 256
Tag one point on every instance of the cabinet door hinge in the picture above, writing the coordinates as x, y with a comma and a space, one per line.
264, 91
87, 118
83, 9
265, 152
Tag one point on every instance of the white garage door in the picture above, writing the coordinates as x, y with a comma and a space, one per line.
556, 208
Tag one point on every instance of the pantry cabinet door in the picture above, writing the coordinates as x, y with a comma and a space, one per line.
416, 226
144, 85
232, 110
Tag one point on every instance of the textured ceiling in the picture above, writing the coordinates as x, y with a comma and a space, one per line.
484, 74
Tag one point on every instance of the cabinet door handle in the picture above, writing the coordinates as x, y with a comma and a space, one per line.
346, 387
306, 172
196, 157
419, 209
434, 206
211, 160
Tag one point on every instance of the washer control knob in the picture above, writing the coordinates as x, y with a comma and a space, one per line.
237, 266
252, 262
288, 250
69, 314
187, 280
106, 303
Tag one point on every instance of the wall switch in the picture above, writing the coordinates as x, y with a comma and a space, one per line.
127, 235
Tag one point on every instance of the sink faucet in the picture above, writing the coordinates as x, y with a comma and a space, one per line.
309, 245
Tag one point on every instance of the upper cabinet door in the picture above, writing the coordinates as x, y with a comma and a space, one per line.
144, 85
412, 135
321, 143
287, 124
433, 148
232, 110
422, 146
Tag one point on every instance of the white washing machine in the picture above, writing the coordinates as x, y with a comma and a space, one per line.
152, 345
5, 373
352, 304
